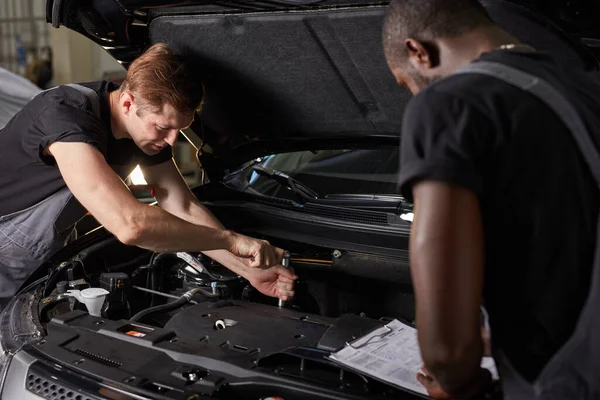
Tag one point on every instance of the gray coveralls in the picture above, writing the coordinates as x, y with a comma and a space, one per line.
31, 236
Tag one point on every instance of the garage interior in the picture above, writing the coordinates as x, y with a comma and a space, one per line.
349, 247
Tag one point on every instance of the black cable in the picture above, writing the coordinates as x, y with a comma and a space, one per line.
149, 271
128, 263
156, 257
83, 254
152, 273
162, 308
173, 305
80, 257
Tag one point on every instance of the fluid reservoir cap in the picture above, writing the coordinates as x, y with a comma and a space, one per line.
112, 281
93, 298
93, 293
62, 286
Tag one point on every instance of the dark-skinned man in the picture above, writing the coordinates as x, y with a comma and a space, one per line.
505, 206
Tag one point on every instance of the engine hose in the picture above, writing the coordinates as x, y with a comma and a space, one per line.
162, 308
142, 289
187, 296
152, 265
85, 253
129, 263
156, 257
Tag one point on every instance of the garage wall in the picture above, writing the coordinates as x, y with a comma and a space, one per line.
26, 37
78, 59
23, 33
105, 64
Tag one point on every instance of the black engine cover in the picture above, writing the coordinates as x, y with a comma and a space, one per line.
257, 328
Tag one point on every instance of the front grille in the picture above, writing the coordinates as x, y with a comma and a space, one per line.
98, 359
348, 214
52, 390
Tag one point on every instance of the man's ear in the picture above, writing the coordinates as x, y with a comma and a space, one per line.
422, 55
126, 100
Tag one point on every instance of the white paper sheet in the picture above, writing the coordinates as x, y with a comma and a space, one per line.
391, 354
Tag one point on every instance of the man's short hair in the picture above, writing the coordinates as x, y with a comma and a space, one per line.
429, 19
159, 76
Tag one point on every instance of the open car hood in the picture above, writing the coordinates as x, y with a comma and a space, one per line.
282, 75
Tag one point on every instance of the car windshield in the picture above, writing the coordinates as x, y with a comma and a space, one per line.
325, 172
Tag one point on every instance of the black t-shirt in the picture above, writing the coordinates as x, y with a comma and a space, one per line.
62, 114
538, 199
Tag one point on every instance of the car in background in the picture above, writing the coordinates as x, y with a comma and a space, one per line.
299, 144
15, 92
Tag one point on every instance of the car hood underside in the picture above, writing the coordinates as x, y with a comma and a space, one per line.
285, 75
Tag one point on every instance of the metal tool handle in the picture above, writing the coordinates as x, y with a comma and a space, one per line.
285, 263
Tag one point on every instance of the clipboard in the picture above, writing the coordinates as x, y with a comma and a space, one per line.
388, 353
371, 336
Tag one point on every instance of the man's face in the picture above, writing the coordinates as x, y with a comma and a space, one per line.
152, 130
415, 69
411, 78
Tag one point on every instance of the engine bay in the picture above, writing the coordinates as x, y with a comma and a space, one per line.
331, 283
180, 323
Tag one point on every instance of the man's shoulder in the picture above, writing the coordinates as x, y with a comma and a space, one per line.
71, 99
475, 86
461, 86
452, 94
74, 94
472, 88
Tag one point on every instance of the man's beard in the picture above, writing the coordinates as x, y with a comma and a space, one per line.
423, 81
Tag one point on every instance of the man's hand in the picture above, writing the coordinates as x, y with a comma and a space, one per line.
260, 253
435, 391
275, 282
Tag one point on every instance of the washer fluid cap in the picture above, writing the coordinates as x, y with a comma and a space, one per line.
93, 298
94, 293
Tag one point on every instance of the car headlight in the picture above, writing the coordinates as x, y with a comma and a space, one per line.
5, 359
17, 328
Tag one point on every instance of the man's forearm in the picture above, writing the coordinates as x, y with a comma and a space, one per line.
230, 261
199, 215
447, 265
158, 230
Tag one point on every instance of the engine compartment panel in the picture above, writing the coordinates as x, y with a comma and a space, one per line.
177, 325
216, 349
262, 330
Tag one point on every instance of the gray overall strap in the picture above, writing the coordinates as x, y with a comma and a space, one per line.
29, 237
572, 372
552, 98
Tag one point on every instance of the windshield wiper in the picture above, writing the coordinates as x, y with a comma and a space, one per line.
287, 181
